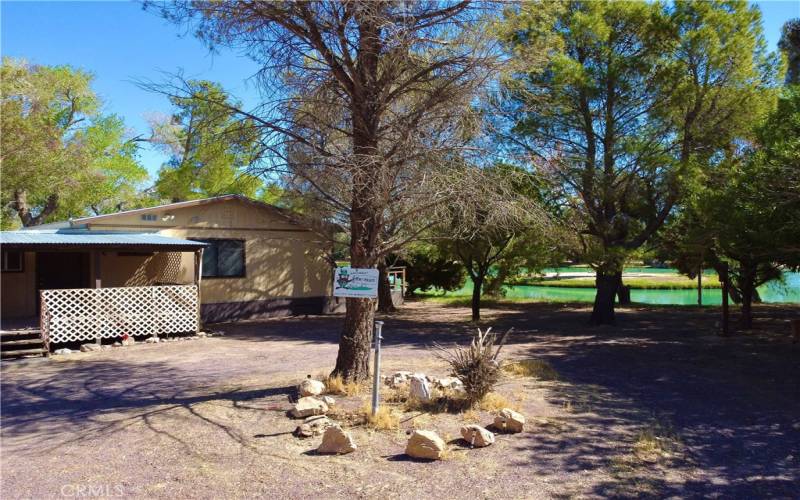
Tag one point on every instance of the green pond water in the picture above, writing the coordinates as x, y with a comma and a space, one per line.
786, 290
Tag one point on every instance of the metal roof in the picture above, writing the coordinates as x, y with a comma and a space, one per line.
85, 238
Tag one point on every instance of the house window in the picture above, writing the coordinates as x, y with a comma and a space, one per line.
223, 258
149, 217
12, 261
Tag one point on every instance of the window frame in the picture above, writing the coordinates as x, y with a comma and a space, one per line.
244, 258
4, 261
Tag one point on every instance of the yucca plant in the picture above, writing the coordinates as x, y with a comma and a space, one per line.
475, 366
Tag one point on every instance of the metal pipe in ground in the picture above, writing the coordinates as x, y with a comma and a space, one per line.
377, 368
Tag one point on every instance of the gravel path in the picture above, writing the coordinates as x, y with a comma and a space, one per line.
206, 418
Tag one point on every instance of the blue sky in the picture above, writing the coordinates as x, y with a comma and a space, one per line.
119, 43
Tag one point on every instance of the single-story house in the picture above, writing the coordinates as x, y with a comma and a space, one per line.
236, 257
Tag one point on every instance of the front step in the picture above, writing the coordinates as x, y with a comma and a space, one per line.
21, 343
18, 353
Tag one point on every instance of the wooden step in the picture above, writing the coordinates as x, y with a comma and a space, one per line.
18, 333
5, 343
23, 352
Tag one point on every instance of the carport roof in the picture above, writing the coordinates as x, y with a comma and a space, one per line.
41, 238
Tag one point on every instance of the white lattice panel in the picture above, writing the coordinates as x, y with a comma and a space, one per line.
78, 314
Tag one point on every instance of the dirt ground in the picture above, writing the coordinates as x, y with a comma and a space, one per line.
657, 406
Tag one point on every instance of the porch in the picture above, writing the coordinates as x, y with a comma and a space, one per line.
76, 286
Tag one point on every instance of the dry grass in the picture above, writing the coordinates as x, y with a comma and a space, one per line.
385, 419
471, 416
531, 367
337, 385
656, 442
496, 402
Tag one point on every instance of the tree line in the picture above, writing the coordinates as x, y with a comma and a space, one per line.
460, 135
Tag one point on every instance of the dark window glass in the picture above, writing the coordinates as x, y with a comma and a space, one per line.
12, 260
223, 259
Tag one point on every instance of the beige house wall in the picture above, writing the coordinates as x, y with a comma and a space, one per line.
18, 290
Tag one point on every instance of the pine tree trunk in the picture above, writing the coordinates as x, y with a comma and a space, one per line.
477, 284
603, 310
385, 303
748, 287
623, 293
352, 362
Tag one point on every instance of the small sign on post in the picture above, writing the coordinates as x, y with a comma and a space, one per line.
355, 283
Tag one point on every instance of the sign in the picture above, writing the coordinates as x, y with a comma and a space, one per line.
352, 282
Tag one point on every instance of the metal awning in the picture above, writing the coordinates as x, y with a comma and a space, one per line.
81, 238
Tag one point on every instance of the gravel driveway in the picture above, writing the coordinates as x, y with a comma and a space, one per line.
207, 418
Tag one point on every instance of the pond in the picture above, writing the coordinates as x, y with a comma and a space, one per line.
787, 290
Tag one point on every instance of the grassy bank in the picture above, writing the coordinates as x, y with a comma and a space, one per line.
667, 282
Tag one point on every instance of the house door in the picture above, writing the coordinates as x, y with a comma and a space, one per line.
61, 270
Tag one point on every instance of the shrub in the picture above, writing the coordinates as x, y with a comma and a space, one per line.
476, 366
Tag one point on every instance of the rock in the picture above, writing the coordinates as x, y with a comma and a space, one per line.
117, 344
152, 340
201, 334
449, 383
477, 436
337, 441
509, 421
308, 406
419, 388
90, 347
399, 378
328, 400
311, 387
128, 341
63, 351
425, 444
313, 426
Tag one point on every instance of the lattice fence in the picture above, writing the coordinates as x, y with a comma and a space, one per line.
78, 314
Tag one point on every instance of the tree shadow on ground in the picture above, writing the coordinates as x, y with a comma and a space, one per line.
730, 406
100, 398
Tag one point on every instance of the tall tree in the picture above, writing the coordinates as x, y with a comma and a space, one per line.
59, 155
790, 46
632, 98
211, 149
369, 108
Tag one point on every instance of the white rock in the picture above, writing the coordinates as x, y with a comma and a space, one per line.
311, 387
128, 341
308, 406
90, 347
450, 383
328, 400
117, 344
63, 351
477, 436
398, 379
152, 340
337, 441
425, 444
509, 421
201, 334
419, 389
313, 426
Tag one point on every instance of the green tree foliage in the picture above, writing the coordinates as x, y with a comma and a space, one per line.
790, 46
745, 215
60, 156
622, 103
427, 267
211, 149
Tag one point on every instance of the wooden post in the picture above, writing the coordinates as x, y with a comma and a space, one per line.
98, 283
725, 312
198, 277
